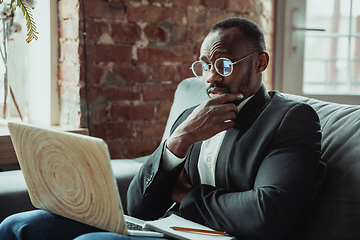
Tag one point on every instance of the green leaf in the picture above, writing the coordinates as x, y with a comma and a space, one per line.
30, 23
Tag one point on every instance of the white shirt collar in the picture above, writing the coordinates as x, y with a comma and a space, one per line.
242, 104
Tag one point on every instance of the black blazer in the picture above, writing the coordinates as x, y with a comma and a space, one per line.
264, 174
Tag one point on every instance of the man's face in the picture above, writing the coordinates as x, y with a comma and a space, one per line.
230, 43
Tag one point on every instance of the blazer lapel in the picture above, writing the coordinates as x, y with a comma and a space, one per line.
192, 162
246, 117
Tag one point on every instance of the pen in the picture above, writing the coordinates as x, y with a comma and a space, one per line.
193, 230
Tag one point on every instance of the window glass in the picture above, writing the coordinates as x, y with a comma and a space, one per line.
13, 67
332, 57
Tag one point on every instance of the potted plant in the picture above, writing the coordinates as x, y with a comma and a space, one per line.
7, 28
7, 8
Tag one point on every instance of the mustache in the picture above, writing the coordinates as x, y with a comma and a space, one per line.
216, 86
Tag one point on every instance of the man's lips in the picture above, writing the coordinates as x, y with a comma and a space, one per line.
214, 92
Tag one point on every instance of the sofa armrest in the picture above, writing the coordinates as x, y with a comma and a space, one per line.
124, 170
14, 196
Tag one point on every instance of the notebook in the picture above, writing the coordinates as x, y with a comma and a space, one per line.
70, 175
166, 226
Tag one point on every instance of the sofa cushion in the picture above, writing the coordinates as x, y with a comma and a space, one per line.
14, 197
124, 171
190, 92
335, 213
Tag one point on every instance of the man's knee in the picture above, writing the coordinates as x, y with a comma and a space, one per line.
18, 225
11, 227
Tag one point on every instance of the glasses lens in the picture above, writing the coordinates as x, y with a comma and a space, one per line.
199, 68
223, 66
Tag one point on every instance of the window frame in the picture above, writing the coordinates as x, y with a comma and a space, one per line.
289, 63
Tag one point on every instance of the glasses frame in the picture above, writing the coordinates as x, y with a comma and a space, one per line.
217, 70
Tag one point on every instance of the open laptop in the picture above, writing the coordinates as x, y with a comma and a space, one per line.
70, 175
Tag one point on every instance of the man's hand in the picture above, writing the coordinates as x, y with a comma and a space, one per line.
211, 117
181, 188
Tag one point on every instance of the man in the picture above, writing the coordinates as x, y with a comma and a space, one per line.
247, 169
243, 162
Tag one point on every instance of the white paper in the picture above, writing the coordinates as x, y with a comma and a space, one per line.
164, 225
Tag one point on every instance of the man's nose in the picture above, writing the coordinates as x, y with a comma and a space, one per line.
213, 76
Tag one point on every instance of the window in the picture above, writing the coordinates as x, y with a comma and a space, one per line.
315, 63
332, 57
33, 74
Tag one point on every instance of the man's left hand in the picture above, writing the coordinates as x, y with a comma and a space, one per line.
181, 188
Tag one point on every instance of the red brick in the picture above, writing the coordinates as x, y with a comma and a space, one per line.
151, 14
188, 34
185, 71
116, 149
197, 17
95, 29
93, 93
111, 79
125, 32
68, 9
100, 114
163, 110
105, 9
162, 2
114, 130
155, 33
158, 92
220, 4
154, 14
130, 73
138, 148
95, 73
219, 15
164, 54
150, 130
69, 28
163, 73
122, 93
108, 53
131, 113
244, 6
186, 3
69, 72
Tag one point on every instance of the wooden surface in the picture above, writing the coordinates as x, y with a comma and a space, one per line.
7, 152
70, 175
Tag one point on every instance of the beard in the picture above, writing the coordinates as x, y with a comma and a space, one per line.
244, 83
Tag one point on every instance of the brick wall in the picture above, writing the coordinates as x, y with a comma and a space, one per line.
137, 51
69, 62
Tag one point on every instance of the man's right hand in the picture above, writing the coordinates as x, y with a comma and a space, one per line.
208, 119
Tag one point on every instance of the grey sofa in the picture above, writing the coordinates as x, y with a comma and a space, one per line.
335, 213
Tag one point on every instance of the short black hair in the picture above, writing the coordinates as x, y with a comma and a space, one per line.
250, 29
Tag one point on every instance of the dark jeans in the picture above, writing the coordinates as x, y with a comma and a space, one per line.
42, 225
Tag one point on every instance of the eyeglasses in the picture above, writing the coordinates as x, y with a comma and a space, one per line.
223, 66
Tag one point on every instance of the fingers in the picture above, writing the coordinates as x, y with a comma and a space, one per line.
224, 108
227, 98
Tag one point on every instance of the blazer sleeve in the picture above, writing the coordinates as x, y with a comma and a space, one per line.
149, 193
282, 188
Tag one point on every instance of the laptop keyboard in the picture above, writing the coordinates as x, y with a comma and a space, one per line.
134, 226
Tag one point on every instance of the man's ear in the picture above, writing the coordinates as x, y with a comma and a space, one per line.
263, 62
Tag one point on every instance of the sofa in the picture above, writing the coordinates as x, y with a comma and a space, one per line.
335, 212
